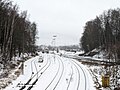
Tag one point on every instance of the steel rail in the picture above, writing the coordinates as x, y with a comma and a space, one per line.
83, 73
61, 73
78, 75
54, 77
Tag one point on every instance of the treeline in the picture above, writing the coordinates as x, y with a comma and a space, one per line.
69, 48
103, 32
17, 33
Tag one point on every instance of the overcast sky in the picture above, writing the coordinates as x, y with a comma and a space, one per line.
64, 18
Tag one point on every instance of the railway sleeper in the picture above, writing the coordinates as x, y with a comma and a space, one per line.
32, 84
25, 84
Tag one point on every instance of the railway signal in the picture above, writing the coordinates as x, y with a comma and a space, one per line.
105, 81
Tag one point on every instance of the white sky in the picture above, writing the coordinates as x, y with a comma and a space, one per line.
64, 18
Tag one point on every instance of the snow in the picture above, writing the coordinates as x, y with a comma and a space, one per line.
55, 73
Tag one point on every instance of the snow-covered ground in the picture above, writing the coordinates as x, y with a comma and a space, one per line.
54, 73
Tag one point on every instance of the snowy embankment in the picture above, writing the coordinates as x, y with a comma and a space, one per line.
54, 73
98, 69
8, 77
95, 70
12, 71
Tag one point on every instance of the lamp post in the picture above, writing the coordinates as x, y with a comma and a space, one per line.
53, 42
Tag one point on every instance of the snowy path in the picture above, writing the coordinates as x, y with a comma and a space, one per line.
55, 73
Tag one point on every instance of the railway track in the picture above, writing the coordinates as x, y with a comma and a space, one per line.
78, 76
85, 77
57, 76
60, 61
60, 75
45, 67
54, 77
